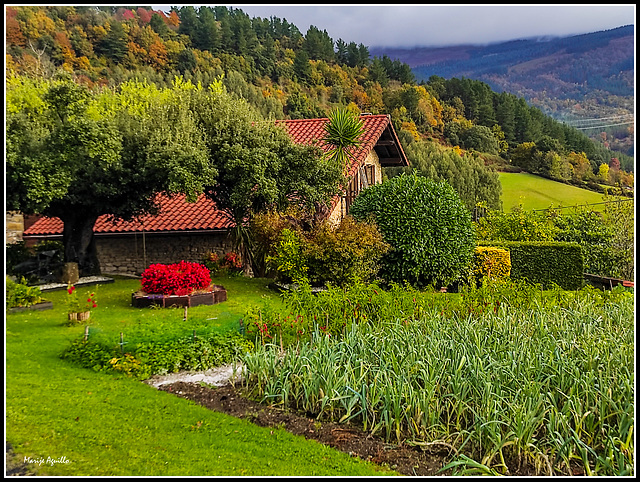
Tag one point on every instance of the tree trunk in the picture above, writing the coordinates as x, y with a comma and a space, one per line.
79, 244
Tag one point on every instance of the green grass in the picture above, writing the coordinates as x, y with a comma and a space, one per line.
535, 192
111, 425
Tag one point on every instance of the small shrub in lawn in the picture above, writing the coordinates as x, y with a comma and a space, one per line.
181, 278
88, 354
20, 294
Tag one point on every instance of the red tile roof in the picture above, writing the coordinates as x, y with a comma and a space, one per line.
311, 131
178, 215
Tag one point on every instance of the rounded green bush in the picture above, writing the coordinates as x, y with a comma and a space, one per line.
427, 225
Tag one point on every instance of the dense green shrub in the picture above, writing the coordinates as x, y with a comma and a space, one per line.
326, 253
19, 294
343, 254
265, 229
427, 225
546, 263
289, 260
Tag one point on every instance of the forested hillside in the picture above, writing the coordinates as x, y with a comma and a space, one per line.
574, 79
449, 128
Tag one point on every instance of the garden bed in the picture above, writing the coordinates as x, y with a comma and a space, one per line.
217, 294
45, 305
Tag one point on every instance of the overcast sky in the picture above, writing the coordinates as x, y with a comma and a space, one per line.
407, 25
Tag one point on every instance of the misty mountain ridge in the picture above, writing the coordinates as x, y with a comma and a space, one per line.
565, 66
587, 76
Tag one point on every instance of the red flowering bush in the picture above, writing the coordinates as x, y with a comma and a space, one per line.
232, 261
181, 278
229, 264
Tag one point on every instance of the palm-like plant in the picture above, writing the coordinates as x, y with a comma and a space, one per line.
343, 132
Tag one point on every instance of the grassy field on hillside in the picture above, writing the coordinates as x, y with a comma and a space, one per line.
535, 192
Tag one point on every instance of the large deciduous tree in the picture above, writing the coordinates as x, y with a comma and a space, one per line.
259, 167
77, 154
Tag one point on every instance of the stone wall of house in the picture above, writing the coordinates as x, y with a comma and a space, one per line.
131, 254
14, 227
339, 211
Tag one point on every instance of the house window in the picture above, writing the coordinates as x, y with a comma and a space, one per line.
365, 176
370, 172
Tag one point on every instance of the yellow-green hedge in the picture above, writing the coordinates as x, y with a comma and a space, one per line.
491, 262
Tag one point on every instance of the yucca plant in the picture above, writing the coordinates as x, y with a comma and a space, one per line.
342, 134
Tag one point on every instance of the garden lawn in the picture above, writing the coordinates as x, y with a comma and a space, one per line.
97, 424
535, 192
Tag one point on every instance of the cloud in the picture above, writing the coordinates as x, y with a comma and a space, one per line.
438, 25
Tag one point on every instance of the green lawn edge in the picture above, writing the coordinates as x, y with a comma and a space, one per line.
67, 420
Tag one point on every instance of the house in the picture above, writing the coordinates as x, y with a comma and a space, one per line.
188, 231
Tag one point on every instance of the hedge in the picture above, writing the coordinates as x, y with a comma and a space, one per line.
491, 262
545, 262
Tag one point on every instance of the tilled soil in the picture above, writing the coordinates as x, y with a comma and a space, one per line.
403, 458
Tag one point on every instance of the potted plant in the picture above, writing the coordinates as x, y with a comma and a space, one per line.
78, 310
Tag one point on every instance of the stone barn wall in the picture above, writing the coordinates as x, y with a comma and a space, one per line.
14, 227
131, 254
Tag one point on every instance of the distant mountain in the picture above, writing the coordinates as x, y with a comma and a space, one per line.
588, 76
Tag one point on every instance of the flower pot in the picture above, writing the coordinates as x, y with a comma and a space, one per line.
82, 316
